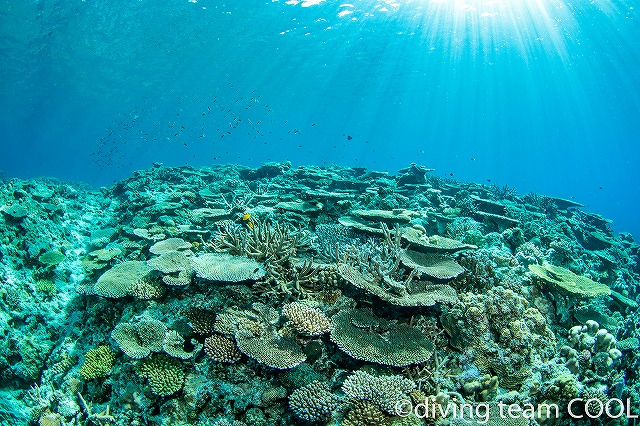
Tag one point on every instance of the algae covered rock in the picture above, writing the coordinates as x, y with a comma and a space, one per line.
15, 211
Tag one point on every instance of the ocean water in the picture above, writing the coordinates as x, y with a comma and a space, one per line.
224, 213
540, 96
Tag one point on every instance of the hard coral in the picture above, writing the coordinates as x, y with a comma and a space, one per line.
221, 349
386, 392
313, 402
164, 373
306, 319
368, 338
97, 362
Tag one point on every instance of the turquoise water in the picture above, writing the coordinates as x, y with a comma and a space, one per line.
541, 96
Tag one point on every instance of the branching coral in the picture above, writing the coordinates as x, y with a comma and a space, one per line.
306, 319
377, 269
275, 246
97, 363
165, 374
313, 402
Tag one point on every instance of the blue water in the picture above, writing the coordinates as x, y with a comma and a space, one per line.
542, 96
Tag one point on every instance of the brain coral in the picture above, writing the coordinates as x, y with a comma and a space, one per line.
226, 267
366, 337
164, 373
313, 402
118, 281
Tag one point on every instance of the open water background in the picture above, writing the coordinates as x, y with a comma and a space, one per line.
542, 96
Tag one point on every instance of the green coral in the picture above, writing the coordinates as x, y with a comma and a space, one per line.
51, 258
47, 287
165, 374
98, 362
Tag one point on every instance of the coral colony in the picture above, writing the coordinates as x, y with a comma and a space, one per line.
312, 295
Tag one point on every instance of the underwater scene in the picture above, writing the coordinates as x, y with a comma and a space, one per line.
308, 212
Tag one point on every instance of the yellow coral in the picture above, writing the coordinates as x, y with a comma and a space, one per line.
97, 362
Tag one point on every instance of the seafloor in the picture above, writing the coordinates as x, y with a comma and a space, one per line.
328, 295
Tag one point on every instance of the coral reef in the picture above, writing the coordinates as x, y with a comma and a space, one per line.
285, 296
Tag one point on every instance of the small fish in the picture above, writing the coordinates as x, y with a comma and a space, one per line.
246, 216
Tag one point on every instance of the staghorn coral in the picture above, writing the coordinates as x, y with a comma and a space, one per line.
331, 239
165, 374
306, 319
363, 336
263, 242
97, 362
383, 391
313, 402
274, 245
